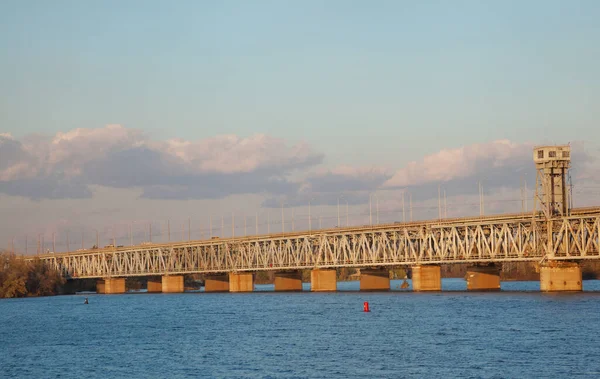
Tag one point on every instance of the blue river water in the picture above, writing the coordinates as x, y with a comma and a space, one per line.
516, 333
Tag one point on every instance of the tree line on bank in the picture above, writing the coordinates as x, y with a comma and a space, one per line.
20, 278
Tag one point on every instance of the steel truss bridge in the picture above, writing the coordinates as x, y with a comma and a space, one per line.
492, 239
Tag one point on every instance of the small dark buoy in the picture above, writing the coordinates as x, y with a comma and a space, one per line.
86, 301
366, 306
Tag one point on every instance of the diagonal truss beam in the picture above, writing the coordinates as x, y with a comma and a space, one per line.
504, 240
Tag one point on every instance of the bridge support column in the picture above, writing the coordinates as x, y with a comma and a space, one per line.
483, 278
154, 285
323, 280
110, 285
241, 282
288, 281
216, 283
374, 279
427, 278
172, 283
560, 276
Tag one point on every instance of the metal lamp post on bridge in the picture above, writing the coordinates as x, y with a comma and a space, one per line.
410, 207
320, 217
114, 236
282, 219
97, 238
377, 205
347, 217
442, 212
481, 200
338, 209
309, 215
403, 210
309, 218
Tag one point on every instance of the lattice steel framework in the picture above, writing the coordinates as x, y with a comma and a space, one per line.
515, 238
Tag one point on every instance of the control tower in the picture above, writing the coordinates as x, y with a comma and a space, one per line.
552, 165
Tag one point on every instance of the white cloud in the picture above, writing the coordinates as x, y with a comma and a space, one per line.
65, 165
72, 150
15, 161
497, 164
119, 157
463, 162
233, 154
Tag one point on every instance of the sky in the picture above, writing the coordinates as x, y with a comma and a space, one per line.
117, 115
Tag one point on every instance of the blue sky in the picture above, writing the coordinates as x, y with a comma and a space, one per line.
396, 71
376, 84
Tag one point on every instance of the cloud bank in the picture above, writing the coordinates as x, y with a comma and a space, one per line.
67, 164
497, 165
464, 162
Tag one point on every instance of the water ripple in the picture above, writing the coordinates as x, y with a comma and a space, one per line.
275, 335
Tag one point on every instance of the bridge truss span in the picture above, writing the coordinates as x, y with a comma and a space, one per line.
480, 241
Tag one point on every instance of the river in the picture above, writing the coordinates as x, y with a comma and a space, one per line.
518, 332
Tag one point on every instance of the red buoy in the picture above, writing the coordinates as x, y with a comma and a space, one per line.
366, 306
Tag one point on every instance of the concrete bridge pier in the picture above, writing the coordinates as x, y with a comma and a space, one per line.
241, 282
374, 279
172, 283
323, 280
483, 278
154, 284
288, 281
216, 283
560, 276
165, 284
110, 285
427, 278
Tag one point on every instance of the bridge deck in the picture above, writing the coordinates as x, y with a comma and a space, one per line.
499, 238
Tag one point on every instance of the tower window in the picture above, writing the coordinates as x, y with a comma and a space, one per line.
540, 154
565, 154
552, 154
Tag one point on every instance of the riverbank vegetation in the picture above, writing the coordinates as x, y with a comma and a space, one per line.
19, 278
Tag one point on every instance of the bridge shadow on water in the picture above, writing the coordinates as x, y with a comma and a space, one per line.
449, 286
